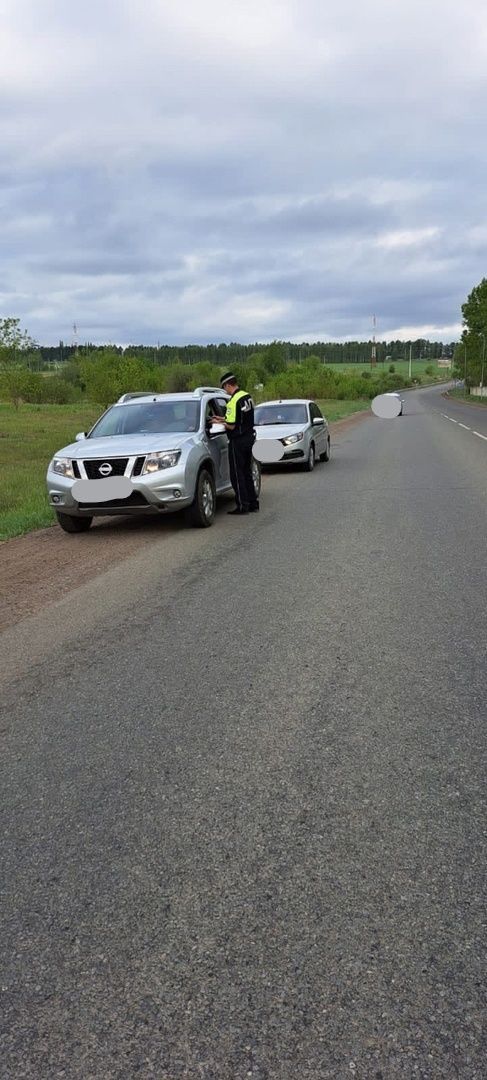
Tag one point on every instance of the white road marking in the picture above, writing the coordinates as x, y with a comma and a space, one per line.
479, 435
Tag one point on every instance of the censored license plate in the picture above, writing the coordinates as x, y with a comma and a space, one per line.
110, 487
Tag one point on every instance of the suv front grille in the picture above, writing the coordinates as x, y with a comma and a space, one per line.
92, 467
137, 469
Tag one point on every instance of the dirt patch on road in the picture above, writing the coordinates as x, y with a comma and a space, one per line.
42, 567
37, 569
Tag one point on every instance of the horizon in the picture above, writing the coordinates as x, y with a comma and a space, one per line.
237, 172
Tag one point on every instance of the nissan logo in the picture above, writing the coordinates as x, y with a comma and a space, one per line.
105, 469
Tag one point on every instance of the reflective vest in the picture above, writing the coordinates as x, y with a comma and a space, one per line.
231, 413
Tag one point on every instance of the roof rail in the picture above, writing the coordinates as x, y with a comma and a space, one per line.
140, 393
200, 390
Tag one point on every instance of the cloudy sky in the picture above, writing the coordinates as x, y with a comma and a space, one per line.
241, 170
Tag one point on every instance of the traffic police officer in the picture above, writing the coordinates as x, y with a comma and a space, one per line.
239, 423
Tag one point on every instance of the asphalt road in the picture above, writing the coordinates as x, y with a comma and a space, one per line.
243, 785
469, 415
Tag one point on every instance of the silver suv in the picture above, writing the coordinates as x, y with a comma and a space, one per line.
146, 454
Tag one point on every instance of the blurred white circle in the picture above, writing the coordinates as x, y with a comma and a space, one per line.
268, 451
387, 406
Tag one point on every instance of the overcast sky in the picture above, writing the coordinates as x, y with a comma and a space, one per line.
242, 170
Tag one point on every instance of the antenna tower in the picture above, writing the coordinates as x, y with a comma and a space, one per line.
373, 358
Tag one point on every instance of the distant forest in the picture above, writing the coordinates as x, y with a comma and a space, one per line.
350, 352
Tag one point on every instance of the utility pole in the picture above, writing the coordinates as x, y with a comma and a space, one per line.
373, 358
410, 357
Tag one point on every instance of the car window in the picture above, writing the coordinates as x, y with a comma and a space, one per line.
280, 414
158, 417
314, 411
216, 407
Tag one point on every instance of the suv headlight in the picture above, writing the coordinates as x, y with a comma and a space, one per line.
293, 438
62, 466
165, 459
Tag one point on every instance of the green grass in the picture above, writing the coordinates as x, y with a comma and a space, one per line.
418, 369
471, 399
29, 436
337, 410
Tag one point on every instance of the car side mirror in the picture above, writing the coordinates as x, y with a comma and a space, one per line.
80, 436
217, 429
318, 420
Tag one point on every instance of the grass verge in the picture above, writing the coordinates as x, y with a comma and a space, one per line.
401, 367
337, 410
460, 395
29, 436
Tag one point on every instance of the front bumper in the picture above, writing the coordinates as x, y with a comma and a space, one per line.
152, 494
292, 453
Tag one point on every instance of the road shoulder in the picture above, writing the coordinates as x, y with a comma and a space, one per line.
42, 567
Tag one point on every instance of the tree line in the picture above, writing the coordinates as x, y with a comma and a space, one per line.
349, 352
470, 359
29, 372
102, 377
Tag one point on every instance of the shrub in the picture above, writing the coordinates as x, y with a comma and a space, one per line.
177, 378
19, 385
57, 391
391, 369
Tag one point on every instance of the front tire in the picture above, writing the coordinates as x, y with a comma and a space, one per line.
256, 477
327, 453
73, 524
201, 513
310, 463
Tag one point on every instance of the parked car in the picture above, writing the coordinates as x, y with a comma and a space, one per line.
147, 454
396, 394
299, 425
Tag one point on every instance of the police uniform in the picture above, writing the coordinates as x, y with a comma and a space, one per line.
241, 438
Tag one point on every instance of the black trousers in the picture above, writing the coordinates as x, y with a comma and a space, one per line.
240, 458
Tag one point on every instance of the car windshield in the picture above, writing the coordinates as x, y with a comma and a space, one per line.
280, 414
159, 417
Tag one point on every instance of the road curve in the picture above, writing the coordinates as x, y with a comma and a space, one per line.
243, 777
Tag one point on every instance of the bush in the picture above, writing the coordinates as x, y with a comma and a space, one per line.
177, 378
108, 375
19, 385
103, 377
57, 391
391, 369
205, 374
429, 370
